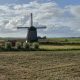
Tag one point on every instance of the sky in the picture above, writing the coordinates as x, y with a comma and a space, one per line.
61, 17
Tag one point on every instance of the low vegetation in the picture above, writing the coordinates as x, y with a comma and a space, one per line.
18, 45
50, 44
59, 47
26, 46
35, 45
8, 46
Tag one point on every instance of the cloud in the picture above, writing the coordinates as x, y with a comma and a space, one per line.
59, 20
16, 14
74, 10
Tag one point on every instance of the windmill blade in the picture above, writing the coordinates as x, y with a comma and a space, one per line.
43, 27
22, 27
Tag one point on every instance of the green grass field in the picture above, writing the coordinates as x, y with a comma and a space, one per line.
64, 39
40, 65
63, 47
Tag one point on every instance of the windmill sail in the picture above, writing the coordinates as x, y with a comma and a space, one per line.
41, 27
31, 19
22, 27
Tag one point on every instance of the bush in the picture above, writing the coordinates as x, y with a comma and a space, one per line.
26, 46
66, 40
36, 45
18, 45
8, 45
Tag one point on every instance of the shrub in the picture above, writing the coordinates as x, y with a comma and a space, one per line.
66, 40
18, 45
35, 45
26, 46
8, 45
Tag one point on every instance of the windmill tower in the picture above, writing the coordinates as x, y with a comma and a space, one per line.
32, 31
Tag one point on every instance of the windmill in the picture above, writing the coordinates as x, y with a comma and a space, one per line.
32, 31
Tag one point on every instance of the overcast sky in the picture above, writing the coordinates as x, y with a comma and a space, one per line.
62, 17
